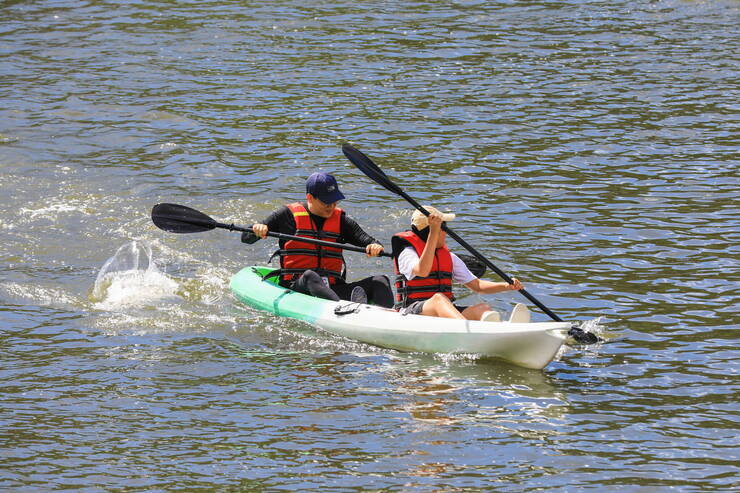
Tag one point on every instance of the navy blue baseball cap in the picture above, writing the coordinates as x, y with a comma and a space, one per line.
324, 187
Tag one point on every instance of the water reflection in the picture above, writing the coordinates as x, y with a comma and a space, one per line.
478, 393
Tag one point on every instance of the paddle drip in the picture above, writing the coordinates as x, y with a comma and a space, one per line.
130, 277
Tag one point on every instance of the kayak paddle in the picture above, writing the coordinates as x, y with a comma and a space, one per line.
176, 218
373, 171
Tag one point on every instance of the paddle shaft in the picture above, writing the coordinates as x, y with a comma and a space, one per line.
283, 236
176, 218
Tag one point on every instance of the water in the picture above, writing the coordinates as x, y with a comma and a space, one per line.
588, 148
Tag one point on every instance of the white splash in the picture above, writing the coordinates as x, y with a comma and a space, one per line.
131, 278
593, 325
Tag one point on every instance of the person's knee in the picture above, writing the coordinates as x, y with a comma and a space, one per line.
312, 279
439, 302
310, 276
440, 298
474, 312
311, 283
440, 305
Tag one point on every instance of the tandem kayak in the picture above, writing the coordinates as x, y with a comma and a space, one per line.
531, 345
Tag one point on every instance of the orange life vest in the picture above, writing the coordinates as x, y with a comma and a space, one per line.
296, 256
439, 279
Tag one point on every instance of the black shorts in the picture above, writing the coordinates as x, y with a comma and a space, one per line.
416, 307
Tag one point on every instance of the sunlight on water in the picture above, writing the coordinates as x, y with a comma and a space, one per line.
585, 146
130, 277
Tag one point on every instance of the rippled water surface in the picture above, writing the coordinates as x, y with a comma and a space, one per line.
589, 148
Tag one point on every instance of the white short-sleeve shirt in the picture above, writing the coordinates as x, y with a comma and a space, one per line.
409, 258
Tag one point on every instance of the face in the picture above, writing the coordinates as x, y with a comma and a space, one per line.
316, 206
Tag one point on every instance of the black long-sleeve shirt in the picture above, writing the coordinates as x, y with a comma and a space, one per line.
282, 221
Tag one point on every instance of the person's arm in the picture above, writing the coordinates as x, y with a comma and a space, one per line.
353, 234
487, 287
280, 221
461, 274
426, 260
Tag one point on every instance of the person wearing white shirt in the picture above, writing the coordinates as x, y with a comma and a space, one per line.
423, 291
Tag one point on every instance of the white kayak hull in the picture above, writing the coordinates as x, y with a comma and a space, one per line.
530, 345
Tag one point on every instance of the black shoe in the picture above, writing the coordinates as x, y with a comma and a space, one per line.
358, 295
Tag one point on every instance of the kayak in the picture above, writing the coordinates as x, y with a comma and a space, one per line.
530, 345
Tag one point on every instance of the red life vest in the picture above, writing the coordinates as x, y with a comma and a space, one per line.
296, 256
439, 279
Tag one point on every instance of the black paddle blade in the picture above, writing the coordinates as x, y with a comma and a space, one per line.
475, 266
176, 218
249, 237
581, 336
367, 166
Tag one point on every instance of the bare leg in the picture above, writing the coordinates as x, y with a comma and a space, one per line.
474, 312
440, 305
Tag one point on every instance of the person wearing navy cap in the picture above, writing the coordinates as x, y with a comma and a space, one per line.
318, 270
324, 187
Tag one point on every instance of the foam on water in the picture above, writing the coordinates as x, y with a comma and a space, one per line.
33, 294
131, 278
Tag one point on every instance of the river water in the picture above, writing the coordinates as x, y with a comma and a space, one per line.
589, 148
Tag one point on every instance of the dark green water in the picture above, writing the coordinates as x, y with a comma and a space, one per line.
589, 148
